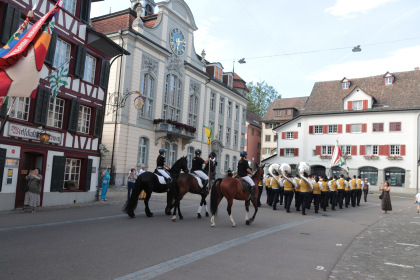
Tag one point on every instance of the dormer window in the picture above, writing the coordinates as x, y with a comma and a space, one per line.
345, 84
388, 78
217, 73
230, 81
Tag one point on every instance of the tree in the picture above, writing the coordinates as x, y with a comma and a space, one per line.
260, 96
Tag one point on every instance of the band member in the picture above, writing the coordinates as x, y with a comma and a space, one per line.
161, 166
325, 193
260, 190
298, 200
347, 192
365, 189
197, 168
359, 190
353, 194
316, 193
289, 186
268, 189
275, 189
333, 192
305, 190
244, 171
342, 183
281, 191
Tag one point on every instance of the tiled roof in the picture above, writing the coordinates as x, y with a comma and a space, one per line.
284, 103
404, 93
253, 119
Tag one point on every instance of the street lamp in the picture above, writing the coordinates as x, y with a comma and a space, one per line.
44, 137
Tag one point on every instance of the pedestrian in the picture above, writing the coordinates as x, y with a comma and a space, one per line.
386, 199
142, 169
418, 202
106, 175
229, 173
131, 181
365, 189
32, 195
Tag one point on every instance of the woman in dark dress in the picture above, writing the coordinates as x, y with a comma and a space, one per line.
386, 200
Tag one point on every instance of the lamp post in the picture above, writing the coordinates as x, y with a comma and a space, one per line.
44, 137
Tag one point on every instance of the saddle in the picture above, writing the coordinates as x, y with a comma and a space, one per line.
199, 180
161, 179
246, 188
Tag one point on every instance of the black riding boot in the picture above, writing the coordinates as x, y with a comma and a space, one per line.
168, 183
204, 188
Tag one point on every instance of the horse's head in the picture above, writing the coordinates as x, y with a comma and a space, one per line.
184, 164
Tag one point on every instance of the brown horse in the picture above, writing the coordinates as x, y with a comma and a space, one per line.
188, 183
231, 188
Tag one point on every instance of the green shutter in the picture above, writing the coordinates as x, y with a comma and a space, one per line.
49, 59
88, 174
79, 68
73, 118
85, 11
11, 23
42, 103
3, 111
57, 174
2, 162
103, 81
99, 123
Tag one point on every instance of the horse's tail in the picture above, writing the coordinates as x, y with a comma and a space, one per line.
214, 197
131, 204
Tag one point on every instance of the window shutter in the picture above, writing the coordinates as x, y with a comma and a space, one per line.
333, 148
325, 129
10, 23
295, 136
348, 128
381, 127
296, 152
3, 110
42, 103
49, 59
99, 123
79, 68
311, 129
88, 176
354, 150
2, 163
362, 150
283, 135
317, 150
349, 105
402, 151
282, 152
365, 104
340, 128
364, 127
85, 11
73, 118
57, 174
384, 150
103, 81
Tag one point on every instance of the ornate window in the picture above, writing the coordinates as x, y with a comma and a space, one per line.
173, 151
221, 105
220, 132
84, 119
212, 101
172, 98
142, 157
234, 163
56, 112
229, 110
227, 135
226, 162
193, 110
237, 113
148, 87
235, 138
190, 156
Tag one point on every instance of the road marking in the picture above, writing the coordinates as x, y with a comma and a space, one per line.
406, 244
415, 223
339, 245
164, 267
400, 265
81, 220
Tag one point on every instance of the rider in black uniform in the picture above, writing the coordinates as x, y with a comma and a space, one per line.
197, 168
161, 165
244, 170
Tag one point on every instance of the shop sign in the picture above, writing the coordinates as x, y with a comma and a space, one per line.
26, 132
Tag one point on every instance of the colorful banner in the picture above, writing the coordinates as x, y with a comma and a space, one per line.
337, 157
59, 78
208, 134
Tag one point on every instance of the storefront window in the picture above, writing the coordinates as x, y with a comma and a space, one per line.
395, 176
336, 171
371, 173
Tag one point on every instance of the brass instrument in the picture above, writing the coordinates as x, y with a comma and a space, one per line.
303, 167
271, 168
285, 169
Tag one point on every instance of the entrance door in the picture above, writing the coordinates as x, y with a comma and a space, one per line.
30, 161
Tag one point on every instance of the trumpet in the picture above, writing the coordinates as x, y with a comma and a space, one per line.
285, 169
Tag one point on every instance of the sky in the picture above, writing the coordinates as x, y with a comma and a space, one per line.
290, 45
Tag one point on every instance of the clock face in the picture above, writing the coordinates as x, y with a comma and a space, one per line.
177, 41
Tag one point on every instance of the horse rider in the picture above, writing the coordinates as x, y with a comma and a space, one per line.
244, 170
197, 168
161, 166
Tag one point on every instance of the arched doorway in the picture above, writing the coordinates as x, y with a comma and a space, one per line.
318, 170
369, 172
336, 171
395, 176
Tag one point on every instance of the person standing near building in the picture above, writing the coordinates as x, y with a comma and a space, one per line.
386, 200
418, 202
106, 175
142, 169
359, 190
325, 193
131, 181
197, 168
365, 189
32, 196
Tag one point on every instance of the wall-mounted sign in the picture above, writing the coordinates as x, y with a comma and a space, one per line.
21, 131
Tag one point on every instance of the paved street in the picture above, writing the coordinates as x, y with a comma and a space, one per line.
98, 241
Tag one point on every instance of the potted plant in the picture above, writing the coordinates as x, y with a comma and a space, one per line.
70, 185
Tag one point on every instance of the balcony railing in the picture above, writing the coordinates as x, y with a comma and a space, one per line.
173, 132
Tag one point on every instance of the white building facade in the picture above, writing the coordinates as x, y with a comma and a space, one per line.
376, 129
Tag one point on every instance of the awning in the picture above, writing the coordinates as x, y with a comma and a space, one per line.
103, 44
